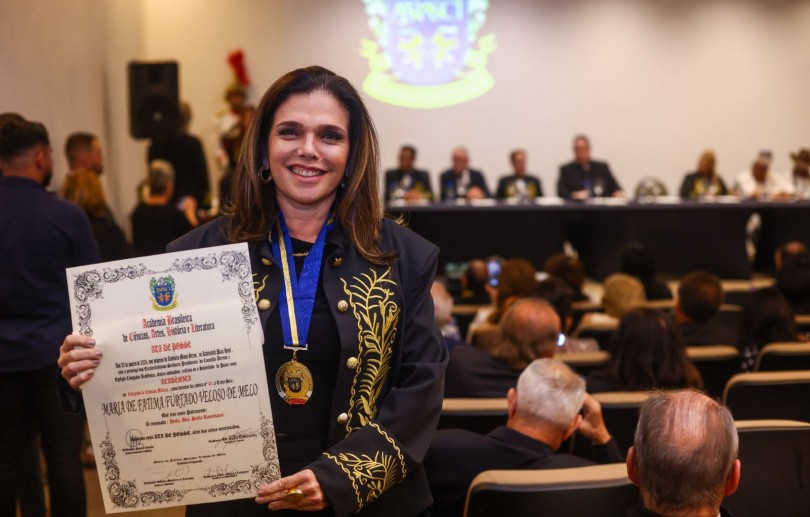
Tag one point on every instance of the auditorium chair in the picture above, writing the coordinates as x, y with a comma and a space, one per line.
759, 395
783, 356
601, 332
729, 314
585, 362
775, 459
477, 415
464, 314
716, 364
803, 322
579, 309
597, 491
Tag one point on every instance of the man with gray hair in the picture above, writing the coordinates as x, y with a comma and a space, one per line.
548, 406
685, 456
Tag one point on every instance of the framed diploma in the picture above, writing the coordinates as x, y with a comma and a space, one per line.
178, 409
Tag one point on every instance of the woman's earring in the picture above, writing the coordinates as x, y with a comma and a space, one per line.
343, 182
264, 175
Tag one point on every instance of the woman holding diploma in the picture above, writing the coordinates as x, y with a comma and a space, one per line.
344, 298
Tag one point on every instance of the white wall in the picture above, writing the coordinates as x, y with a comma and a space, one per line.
652, 82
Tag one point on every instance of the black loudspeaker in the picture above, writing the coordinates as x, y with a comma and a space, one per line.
153, 99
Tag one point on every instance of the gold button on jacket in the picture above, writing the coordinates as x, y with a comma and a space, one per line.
264, 304
343, 306
351, 363
342, 418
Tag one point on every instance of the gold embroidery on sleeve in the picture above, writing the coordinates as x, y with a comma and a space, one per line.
377, 314
372, 475
394, 445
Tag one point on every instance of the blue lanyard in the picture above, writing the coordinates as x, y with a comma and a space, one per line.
298, 301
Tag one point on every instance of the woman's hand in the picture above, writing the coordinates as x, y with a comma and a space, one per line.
301, 491
78, 359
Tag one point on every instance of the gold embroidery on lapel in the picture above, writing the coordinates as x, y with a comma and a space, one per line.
375, 475
377, 315
261, 285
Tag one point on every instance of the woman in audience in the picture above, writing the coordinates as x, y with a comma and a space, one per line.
84, 188
516, 280
766, 318
648, 353
704, 181
571, 270
560, 295
622, 293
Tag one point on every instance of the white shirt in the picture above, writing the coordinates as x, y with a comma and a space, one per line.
746, 186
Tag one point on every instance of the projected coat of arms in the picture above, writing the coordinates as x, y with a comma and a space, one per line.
427, 53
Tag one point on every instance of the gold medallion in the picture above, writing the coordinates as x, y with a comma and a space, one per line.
294, 382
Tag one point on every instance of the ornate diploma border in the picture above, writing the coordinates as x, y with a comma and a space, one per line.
234, 266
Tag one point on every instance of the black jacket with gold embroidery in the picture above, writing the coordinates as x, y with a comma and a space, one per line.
388, 394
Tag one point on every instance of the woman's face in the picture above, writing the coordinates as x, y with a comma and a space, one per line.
308, 149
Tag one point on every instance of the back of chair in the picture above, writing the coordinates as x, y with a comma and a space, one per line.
716, 364
775, 458
598, 491
803, 322
585, 362
761, 395
783, 356
602, 332
477, 415
620, 412
729, 314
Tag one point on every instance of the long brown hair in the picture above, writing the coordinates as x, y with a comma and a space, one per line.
357, 207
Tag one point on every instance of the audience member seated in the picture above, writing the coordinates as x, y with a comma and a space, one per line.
548, 406
621, 294
156, 222
648, 353
684, 460
443, 310
520, 185
461, 182
637, 261
704, 182
407, 183
529, 331
584, 178
793, 276
571, 270
767, 318
560, 295
474, 284
516, 280
83, 187
231, 145
759, 184
700, 295
186, 155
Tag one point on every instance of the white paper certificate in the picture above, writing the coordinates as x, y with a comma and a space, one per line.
178, 410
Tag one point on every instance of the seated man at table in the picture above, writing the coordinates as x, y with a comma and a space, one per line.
684, 460
519, 185
529, 330
461, 182
584, 178
547, 407
759, 184
407, 182
700, 295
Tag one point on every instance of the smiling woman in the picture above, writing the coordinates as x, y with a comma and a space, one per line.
344, 298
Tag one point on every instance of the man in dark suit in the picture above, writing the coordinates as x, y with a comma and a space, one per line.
700, 295
461, 182
543, 411
406, 182
584, 178
684, 459
519, 185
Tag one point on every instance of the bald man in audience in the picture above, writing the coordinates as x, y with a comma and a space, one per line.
547, 407
684, 459
700, 295
529, 330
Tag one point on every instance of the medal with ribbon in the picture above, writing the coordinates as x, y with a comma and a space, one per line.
293, 379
